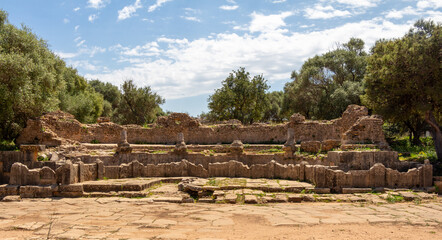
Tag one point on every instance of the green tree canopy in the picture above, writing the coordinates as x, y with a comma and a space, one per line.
138, 105
111, 95
328, 83
33, 80
403, 81
274, 109
240, 97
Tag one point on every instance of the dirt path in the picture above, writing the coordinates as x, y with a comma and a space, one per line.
122, 218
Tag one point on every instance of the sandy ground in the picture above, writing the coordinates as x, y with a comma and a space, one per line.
123, 218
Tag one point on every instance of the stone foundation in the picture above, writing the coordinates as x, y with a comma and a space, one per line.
378, 176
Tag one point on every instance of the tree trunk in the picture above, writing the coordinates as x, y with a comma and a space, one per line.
414, 132
416, 141
435, 133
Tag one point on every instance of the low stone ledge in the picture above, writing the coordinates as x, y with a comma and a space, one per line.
168, 199
297, 198
321, 190
37, 191
71, 188
14, 198
68, 194
8, 190
356, 190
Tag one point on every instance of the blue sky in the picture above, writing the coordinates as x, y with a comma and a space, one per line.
183, 49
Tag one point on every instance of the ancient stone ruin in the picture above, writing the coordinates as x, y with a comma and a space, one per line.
58, 153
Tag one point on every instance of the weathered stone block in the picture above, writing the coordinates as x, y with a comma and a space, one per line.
360, 178
136, 168
113, 172
68, 173
311, 146
320, 176
377, 175
47, 176
7, 190
392, 178
329, 144
100, 169
125, 171
355, 190
18, 175
37, 191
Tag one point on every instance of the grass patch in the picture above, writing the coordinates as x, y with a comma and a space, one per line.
226, 182
276, 149
159, 152
95, 141
394, 198
408, 152
8, 146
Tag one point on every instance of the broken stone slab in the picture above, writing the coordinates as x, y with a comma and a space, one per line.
409, 196
230, 198
71, 188
168, 199
321, 190
278, 198
250, 199
295, 198
308, 198
356, 190
311, 146
129, 194
206, 200
325, 199
100, 194
356, 199
14, 198
68, 194
218, 193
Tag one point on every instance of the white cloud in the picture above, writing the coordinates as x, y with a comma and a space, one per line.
81, 43
97, 4
357, 3
435, 4
66, 55
324, 12
307, 26
184, 68
149, 49
83, 64
189, 18
76, 9
267, 23
92, 17
66, 20
228, 7
398, 14
157, 4
93, 50
128, 11
76, 27
278, 1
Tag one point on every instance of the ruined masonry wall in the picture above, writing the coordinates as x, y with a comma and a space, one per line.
322, 176
59, 128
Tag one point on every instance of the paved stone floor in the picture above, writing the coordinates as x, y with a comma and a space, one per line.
126, 218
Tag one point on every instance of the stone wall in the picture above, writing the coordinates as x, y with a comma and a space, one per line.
322, 176
59, 128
